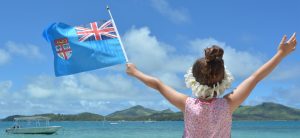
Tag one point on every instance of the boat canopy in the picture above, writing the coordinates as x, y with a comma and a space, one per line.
31, 118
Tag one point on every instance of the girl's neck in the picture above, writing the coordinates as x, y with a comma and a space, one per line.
206, 101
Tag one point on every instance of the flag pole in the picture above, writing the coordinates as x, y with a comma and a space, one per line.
117, 32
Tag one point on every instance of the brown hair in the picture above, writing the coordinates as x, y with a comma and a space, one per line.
210, 69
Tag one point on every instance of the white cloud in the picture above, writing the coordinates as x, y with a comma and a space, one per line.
286, 71
173, 80
26, 50
4, 56
289, 95
93, 104
155, 57
38, 92
286, 95
240, 63
83, 86
145, 50
114, 91
73, 94
174, 14
110, 92
79, 93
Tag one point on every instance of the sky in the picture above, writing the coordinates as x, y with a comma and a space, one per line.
162, 37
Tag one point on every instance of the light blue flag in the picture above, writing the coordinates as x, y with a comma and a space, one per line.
84, 48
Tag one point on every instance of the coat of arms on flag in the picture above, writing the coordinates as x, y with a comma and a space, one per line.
63, 48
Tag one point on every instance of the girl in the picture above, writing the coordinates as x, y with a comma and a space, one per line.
206, 115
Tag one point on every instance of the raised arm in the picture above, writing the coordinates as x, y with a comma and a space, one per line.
243, 90
174, 97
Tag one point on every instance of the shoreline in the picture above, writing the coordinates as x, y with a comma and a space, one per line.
176, 121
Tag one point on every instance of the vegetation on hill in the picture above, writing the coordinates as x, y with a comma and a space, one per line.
264, 111
62, 117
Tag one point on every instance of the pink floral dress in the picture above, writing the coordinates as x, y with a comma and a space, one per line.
207, 119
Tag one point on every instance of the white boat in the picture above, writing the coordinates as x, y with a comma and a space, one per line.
149, 121
32, 125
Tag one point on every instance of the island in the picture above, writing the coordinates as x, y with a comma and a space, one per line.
264, 111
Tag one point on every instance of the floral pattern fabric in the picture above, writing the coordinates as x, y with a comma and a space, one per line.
207, 119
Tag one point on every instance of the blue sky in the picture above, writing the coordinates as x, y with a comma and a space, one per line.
163, 37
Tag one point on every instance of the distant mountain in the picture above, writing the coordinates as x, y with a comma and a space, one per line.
11, 118
167, 111
79, 117
138, 113
61, 117
132, 113
264, 111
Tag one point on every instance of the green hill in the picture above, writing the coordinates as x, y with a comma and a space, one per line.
61, 117
264, 111
140, 113
131, 114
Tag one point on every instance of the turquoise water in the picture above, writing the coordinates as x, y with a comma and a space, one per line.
242, 129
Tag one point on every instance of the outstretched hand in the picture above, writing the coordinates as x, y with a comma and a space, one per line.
131, 69
287, 46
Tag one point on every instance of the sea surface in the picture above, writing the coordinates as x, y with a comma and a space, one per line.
165, 129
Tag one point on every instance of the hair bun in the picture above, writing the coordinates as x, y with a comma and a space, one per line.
213, 53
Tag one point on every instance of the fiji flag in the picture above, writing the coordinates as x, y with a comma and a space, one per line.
83, 48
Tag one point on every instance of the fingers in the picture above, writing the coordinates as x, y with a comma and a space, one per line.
293, 37
294, 43
283, 39
128, 64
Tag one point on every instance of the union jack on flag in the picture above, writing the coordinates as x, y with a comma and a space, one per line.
92, 32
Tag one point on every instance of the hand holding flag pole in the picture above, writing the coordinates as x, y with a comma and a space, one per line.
117, 32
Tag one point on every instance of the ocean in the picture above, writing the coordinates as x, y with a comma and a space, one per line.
164, 129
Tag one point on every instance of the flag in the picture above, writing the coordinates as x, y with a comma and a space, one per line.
84, 48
